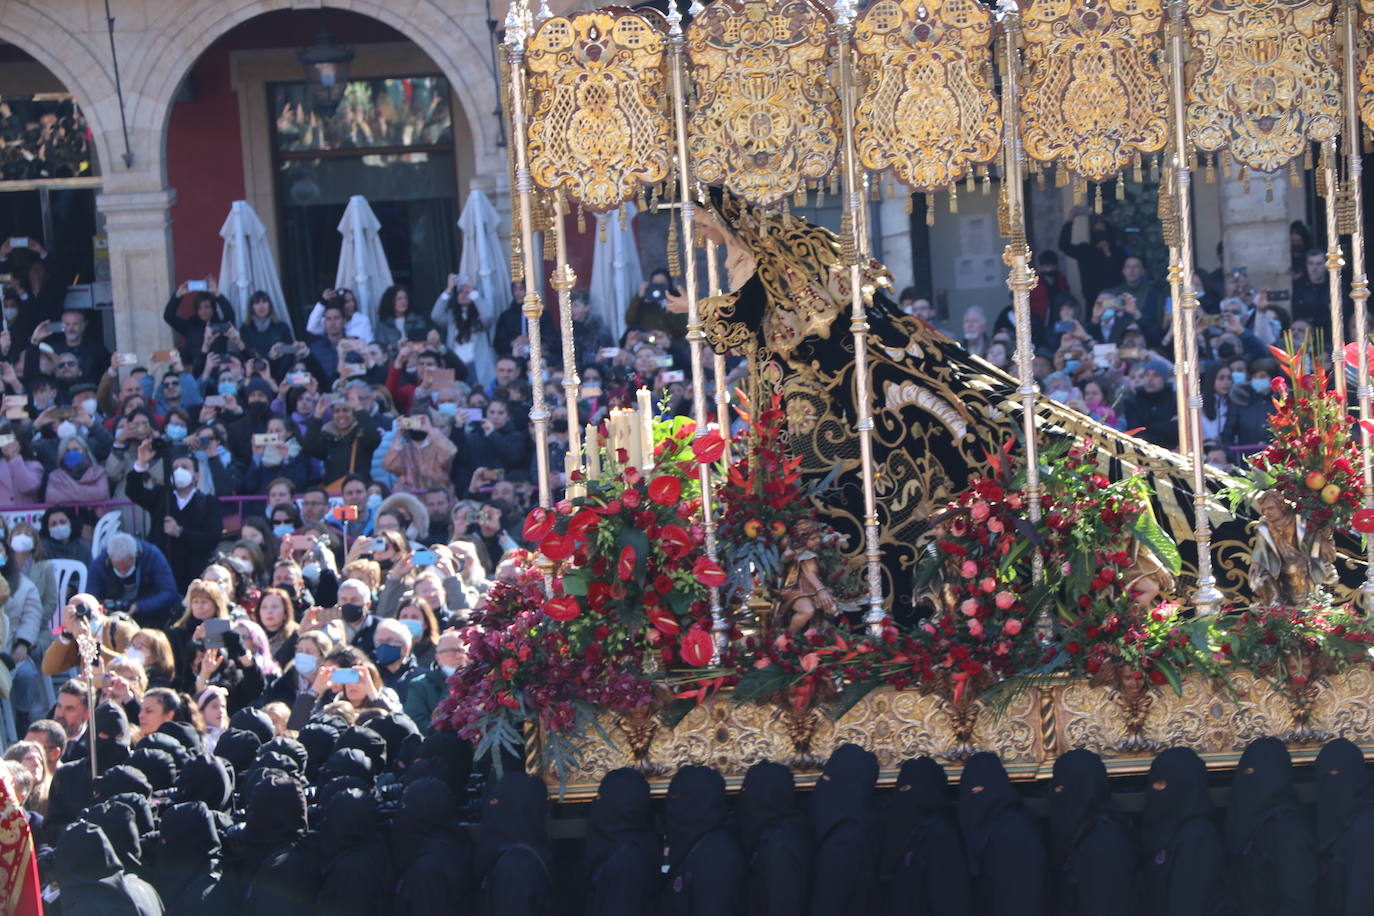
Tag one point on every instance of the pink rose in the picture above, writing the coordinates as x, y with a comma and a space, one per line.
980, 511
975, 626
783, 642
1012, 626
759, 663
810, 661
969, 569
995, 525
988, 585
969, 607
1066, 569
1005, 600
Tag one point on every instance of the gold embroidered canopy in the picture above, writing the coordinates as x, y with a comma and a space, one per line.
600, 128
1263, 81
1095, 97
927, 110
765, 119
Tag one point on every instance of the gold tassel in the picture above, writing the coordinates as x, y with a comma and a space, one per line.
986, 175
930, 209
581, 218
1061, 177
1293, 179
968, 181
1269, 190
820, 194
1040, 179
891, 186
1136, 173
674, 256
550, 246
1211, 169
909, 207
1121, 188
875, 192
834, 184
624, 220
1097, 199
1079, 193
800, 197
601, 229
517, 256
954, 198
1306, 158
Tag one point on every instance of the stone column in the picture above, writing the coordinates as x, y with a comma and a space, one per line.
139, 227
894, 239
1255, 231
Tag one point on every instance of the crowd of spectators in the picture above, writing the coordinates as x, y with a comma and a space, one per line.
43, 138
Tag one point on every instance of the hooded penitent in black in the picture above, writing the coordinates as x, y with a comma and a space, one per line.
1345, 831
1269, 841
1092, 857
71, 783
924, 871
1005, 849
433, 854
118, 823
844, 835
624, 852
186, 871
1182, 856
355, 863
777, 845
237, 748
705, 873
512, 850
92, 881
276, 869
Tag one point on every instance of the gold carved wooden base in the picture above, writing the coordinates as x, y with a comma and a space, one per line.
1127, 727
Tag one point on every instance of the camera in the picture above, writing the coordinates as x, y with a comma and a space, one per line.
657, 292
113, 606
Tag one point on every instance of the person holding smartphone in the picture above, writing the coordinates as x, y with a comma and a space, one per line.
207, 308
348, 675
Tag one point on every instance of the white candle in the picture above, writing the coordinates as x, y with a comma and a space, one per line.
592, 444
633, 439
646, 426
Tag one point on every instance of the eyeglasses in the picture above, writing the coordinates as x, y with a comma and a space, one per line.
67, 364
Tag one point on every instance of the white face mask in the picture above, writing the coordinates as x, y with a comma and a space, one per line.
182, 478
21, 543
89, 406
134, 655
66, 429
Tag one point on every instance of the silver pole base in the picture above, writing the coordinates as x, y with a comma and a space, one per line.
1207, 598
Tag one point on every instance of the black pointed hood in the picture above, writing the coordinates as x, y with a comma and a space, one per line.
119, 825
985, 794
1342, 785
206, 779
1079, 792
622, 811
514, 815
1183, 796
1261, 784
767, 798
695, 806
845, 790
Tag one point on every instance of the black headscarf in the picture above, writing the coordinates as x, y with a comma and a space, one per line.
513, 816
845, 790
922, 787
206, 779
252, 719
355, 864
621, 813
394, 728
695, 807
1183, 798
237, 748
92, 881
427, 810
985, 793
318, 739
1262, 783
288, 747
432, 852
1342, 782
158, 766
144, 818
1079, 792
767, 798
347, 761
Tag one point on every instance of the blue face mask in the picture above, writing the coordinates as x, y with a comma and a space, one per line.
374, 501
448, 670
416, 627
1072, 365
1238, 377
1260, 385
228, 389
1108, 314
306, 664
283, 529
385, 655
73, 458
449, 409
175, 431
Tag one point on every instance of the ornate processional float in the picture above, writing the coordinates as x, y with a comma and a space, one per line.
877, 537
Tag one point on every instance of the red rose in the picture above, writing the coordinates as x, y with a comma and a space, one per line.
1156, 676
675, 542
665, 489
697, 647
630, 498
709, 448
562, 608
708, 573
508, 668
556, 547
625, 566
1278, 385
662, 584
1073, 648
538, 524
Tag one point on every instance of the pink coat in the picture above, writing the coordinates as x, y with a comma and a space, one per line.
19, 480
91, 486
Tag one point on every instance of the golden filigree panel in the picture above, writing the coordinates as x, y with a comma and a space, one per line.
1095, 96
1364, 27
927, 110
766, 114
1263, 79
599, 126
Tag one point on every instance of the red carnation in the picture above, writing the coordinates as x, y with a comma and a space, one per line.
709, 448
665, 489
697, 647
562, 608
1278, 385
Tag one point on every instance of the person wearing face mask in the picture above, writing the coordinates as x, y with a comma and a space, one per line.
420, 455
190, 524
425, 687
298, 676
392, 654
61, 539
20, 474
1254, 402
257, 411
133, 576
76, 477
355, 609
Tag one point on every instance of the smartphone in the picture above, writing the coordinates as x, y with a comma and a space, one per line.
379, 544
474, 415
674, 375
15, 402
298, 378
125, 359
265, 439
344, 676
1063, 327
163, 356
19, 241
296, 542
608, 353
215, 628
408, 423
665, 362
424, 558
441, 378
214, 400
1211, 321
345, 513
1279, 295
330, 614
198, 286
589, 391
496, 474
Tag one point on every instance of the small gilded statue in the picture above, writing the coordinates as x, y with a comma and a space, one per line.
1287, 561
1149, 581
803, 589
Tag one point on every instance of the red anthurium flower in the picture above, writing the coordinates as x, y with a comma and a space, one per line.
598, 593
663, 620
675, 542
563, 608
556, 547
538, 524
665, 489
579, 524
708, 573
709, 448
1363, 521
625, 566
697, 647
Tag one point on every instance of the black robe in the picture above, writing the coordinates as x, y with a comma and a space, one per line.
1005, 848
777, 846
1345, 830
1093, 859
513, 860
705, 868
844, 831
1269, 840
433, 854
275, 869
924, 870
624, 852
186, 871
355, 864
1184, 862
72, 787
92, 882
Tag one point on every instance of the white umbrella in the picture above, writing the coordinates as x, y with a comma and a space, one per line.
615, 268
362, 262
247, 265
485, 261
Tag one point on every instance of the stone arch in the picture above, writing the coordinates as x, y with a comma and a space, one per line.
187, 30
